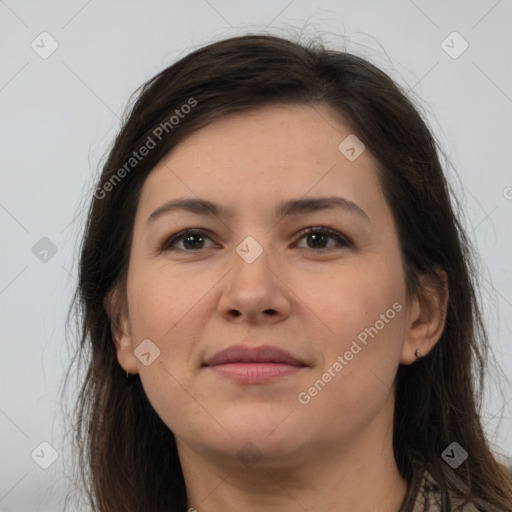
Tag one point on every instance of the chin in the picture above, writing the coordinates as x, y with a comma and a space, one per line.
267, 429
259, 420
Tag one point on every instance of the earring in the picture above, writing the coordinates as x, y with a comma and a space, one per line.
418, 353
127, 375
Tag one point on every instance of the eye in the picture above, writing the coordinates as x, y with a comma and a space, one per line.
318, 236
193, 239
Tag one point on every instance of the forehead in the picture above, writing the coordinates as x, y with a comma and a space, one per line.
291, 132
270, 153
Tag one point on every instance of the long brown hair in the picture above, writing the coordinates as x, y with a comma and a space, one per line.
127, 457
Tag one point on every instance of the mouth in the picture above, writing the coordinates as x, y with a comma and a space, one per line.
254, 365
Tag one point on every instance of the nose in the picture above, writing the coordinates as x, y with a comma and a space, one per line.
255, 292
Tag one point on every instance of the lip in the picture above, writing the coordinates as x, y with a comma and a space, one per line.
245, 354
252, 365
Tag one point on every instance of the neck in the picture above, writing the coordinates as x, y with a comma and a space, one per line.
360, 475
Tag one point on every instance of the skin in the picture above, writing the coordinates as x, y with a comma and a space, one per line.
335, 452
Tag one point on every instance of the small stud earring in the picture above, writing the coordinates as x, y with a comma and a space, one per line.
418, 353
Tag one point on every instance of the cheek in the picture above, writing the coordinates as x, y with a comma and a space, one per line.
355, 379
350, 299
171, 395
161, 300
359, 328
161, 311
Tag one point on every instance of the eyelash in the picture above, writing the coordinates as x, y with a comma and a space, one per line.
343, 241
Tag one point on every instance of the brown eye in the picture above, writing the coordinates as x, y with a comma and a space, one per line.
319, 237
192, 240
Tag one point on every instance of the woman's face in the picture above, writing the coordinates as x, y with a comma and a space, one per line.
254, 277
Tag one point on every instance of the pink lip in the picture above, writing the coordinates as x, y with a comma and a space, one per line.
254, 365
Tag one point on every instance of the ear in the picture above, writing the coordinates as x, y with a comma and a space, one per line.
117, 310
426, 316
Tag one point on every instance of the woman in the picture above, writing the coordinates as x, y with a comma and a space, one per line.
278, 299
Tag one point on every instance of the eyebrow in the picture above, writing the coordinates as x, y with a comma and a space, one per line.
286, 209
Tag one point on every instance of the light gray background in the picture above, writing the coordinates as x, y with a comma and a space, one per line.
58, 116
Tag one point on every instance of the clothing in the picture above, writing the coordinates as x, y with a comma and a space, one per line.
429, 498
